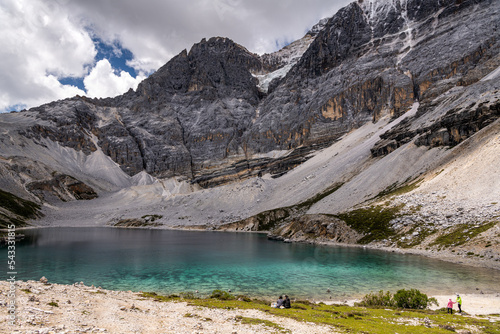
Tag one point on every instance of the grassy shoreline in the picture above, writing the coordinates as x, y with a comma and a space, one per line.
351, 319
119, 311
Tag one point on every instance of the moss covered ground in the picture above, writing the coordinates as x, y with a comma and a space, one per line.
458, 235
349, 319
372, 221
21, 210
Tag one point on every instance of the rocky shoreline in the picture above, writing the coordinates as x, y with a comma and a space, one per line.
469, 254
63, 309
48, 308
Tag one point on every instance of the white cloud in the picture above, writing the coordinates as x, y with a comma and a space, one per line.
103, 82
156, 30
39, 42
43, 40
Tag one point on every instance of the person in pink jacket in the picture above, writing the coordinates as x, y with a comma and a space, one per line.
450, 306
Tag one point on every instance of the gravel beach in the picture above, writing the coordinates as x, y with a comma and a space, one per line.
56, 308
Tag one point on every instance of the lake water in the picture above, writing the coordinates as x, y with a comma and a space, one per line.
167, 262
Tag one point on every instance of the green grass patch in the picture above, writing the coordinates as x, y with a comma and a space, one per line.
318, 197
373, 222
256, 321
413, 241
21, 208
356, 319
222, 295
160, 298
461, 234
394, 190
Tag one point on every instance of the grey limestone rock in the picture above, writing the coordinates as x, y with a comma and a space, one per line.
202, 116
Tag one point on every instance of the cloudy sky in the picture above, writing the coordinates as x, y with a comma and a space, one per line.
53, 49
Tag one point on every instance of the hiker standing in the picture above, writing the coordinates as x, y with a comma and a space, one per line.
459, 302
450, 306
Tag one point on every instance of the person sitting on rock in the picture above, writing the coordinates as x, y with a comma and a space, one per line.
286, 303
280, 302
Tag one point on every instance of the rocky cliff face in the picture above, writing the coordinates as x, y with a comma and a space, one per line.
205, 117
374, 59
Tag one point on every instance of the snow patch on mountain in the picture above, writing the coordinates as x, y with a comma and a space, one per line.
379, 9
493, 75
280, 62
265, 79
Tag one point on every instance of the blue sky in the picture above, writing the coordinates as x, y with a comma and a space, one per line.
114, 52
54, 49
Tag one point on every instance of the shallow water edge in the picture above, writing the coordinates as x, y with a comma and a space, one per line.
247, 263
443, 256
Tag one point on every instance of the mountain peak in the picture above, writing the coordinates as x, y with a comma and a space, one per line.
318, 27
215, 44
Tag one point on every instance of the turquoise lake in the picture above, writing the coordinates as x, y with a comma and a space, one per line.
167, 262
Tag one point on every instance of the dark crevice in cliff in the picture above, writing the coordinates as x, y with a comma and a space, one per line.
184, 142
139, 146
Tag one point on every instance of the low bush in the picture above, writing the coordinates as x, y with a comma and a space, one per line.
413, 299
410, 299
378, 299
221, 295
244, 298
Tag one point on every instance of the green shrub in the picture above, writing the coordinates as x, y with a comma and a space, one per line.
377, 299
372, 221
413, 299
462, 233
188, 295
221, 295
244, 298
